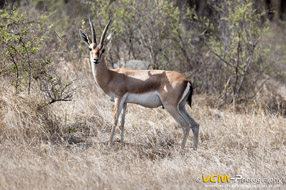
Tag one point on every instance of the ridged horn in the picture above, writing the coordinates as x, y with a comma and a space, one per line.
104, 33
93, 38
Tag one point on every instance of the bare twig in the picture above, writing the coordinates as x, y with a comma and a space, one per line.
223, 60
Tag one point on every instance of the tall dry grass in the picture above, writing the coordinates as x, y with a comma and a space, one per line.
63, 145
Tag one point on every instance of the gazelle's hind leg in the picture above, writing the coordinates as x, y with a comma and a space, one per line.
180, 119
194, 125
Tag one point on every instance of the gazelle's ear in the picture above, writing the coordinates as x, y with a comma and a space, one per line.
84, 37
102, 50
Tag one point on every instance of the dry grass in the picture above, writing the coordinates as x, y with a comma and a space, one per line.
63, 146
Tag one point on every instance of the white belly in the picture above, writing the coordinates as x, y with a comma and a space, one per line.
150, 99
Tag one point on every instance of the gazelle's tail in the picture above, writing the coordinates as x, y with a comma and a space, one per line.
190, 95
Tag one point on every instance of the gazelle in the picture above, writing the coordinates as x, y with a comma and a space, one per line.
149, 88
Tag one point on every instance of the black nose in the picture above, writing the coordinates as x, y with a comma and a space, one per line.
95, 61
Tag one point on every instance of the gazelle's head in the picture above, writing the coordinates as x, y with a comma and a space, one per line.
96, 49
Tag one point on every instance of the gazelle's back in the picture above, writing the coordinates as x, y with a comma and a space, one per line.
166, 83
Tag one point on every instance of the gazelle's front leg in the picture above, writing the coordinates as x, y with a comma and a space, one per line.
122, 122
119, 102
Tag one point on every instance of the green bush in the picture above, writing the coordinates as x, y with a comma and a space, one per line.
26, 59
19, 47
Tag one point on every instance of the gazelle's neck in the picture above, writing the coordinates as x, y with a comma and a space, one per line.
101, 73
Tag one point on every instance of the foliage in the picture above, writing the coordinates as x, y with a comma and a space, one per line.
147, 30
239, 54
25, 59
18, 48
221, 54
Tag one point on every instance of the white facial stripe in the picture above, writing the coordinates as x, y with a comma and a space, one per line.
93, 68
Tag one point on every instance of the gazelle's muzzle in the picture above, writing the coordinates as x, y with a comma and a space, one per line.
96, 61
